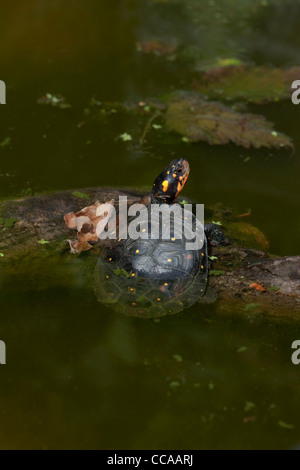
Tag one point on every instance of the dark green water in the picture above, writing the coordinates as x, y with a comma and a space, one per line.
78, 375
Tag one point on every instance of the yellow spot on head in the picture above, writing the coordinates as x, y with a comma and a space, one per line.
112, 294
165, 185
202, 266
134, 304
137, 251
202, 254
174, 175
131, 289
173, 239
109, 259
168, 172
169, 260
107, 277
132, 274
144, 230
166, 284
158, 299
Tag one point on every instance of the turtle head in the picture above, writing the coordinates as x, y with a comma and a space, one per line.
170, 182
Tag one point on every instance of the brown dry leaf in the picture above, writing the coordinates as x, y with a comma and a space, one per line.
89, 224
89, 211
82, 220
87, 233
70, 220
257, 286
77, 247
197, 119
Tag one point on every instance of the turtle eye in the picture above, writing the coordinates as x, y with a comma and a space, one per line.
179, 170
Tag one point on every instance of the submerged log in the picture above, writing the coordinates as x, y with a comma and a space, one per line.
34, 254
263, 285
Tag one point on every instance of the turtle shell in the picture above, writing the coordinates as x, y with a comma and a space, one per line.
152, 277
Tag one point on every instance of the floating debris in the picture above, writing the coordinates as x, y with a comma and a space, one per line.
249, 406
43, 242
284, 425
80, 195
174, 385
54, 100
125, 137
6, 142
177, 357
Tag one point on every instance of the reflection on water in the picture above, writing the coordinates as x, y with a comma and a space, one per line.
79, 375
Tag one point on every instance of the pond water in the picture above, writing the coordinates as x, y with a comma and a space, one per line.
79, 375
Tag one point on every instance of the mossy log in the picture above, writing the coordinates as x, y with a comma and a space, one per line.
34, 254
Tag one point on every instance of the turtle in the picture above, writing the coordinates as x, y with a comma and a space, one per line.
152, 277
